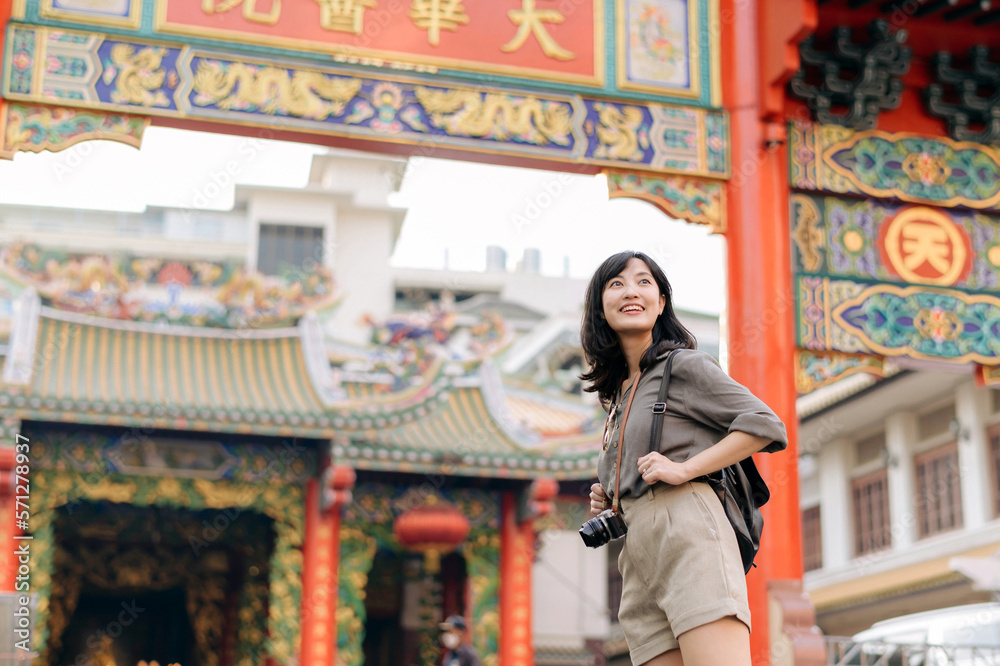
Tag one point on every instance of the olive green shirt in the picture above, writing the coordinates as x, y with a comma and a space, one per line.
704, 404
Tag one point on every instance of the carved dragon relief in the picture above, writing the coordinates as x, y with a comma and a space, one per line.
139, 77
272, 90
497, 116
618, 132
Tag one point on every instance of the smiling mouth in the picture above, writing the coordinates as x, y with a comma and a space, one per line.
632, 308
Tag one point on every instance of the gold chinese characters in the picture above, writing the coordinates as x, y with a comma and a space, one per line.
432, 16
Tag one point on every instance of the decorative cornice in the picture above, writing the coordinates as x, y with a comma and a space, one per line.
695, 200
168, 329
863, 78
814, 370
955, 96
36, 127
191, 83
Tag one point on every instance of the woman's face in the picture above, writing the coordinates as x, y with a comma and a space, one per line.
632, 301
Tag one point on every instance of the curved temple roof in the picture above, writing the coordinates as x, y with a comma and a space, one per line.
85, 369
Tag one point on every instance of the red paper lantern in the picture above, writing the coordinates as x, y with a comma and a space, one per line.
434, 528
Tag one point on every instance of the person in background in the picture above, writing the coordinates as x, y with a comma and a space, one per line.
457, 651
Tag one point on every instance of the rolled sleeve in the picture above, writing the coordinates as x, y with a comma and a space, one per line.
715, 399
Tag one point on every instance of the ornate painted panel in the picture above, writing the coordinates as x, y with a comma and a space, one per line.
35, 127
910, 270
908, 167
110, 13
220, 294
656, 41
699, 201
131, 76
872, 240
890, 320
627, 49
816, 369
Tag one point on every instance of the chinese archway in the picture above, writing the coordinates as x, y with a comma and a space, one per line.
702, 107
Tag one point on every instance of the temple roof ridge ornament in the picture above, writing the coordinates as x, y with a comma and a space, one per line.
19, 365
956, 96
862, 78
157, 328
175, 291
493, 396
317, 364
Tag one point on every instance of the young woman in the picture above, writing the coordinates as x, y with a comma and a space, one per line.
684, 597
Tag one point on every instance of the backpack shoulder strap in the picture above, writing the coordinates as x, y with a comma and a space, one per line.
660, 406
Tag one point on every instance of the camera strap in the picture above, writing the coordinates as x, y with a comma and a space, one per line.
621, 441
660, 406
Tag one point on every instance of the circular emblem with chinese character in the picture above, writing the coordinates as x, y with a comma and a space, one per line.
923, 245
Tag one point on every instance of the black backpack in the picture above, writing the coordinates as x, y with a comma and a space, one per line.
740, 487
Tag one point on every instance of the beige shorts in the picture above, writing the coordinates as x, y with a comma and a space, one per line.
680, 566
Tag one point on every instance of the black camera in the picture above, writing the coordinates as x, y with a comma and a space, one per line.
603, 528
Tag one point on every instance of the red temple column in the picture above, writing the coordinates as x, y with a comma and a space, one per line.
517, 554
321, 563
8, 520
760, 297
517, 546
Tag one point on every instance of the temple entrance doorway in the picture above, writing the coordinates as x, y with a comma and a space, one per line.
401, 595
115, 628
134, 584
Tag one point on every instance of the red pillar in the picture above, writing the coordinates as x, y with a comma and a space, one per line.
321, 565
760, 297
517, 545
8, 520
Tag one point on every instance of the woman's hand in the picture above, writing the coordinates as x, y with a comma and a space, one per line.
598, 500
655, 467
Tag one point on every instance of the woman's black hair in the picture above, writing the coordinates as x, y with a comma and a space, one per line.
600, 343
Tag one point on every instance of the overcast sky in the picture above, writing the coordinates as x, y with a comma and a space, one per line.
455, 209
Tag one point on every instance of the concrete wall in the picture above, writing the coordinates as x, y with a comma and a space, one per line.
570, 590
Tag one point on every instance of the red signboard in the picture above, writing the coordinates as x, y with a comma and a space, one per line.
560, 40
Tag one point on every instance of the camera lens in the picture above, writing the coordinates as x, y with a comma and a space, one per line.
593, 533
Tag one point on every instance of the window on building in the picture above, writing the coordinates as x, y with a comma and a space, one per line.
283, 247
870, 449
994, 436
939, 490
812, 540
871, 513
936, 422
